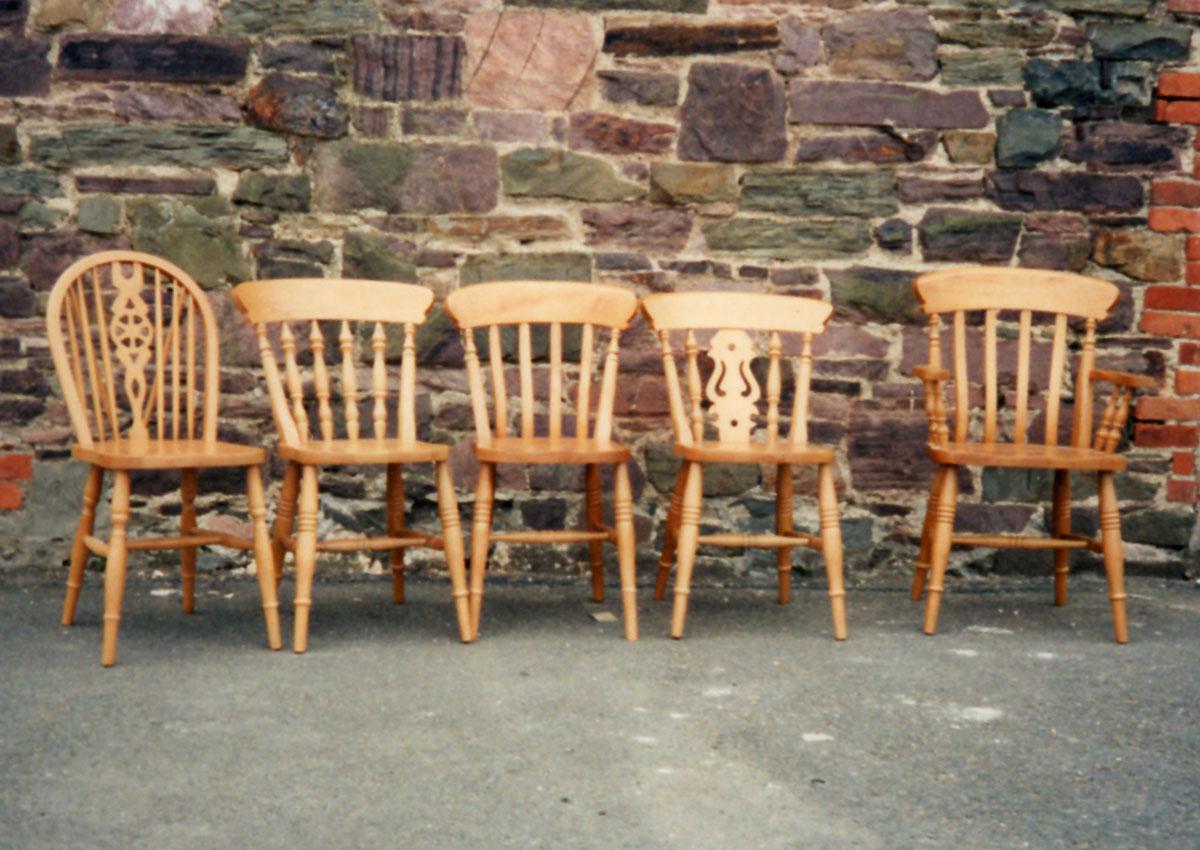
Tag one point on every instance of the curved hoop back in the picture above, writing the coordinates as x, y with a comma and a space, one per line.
135, 348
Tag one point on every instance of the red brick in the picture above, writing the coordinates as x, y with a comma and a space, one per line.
1193, 248
1178, 111
1181, 490
1186, 7
1173, 298
16, 466
1183, 463
10, 496
1193, 274
1166, 436
1179, 84
1187, 382
1189, 354
1175, 193
1167, 409
1171, 324
1174, 220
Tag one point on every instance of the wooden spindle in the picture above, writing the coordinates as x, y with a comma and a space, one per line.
962, 412
1058, 354
692, 349
774, 386
935, 402
316, 344
583, 406
85, 329
525, 357
1020, 428
683, 433
408, 386
499, 385
110, 394
989, 376
379, 382
1106, 420
799, 433
191, 369
556, 367
483, 431
176, 360
349, 380
160, 396
287, 341
1118, 424
608, 389
284, 422
1082, 429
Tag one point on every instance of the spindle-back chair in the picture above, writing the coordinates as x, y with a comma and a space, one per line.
732, 394
519, 307
316, 430
1053, 299
135, 347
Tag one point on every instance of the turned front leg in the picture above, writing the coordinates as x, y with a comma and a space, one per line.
831, 547
689, 534
481, 527
306, 555
114, 568
939, 554
1114, 555
626, 548
452, 548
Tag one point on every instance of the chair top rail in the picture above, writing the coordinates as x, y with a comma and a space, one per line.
541, 302
736, 311
332, 299
991, 288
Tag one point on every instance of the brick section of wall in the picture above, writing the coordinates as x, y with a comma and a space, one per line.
14, 468
833, 148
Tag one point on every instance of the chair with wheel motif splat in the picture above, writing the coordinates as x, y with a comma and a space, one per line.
522, 306
135, 347
1056, 296
733, 394
355, 305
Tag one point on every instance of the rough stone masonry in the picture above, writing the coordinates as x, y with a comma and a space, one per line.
832, 148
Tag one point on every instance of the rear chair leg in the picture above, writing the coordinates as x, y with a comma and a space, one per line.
79, 550
1114, 555
285, 514
187, 525
783, 524
939, 550
1062, 527
671, 533
595, 522
395, 528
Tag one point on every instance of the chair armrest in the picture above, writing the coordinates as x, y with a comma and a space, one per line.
1124, 379
931, 373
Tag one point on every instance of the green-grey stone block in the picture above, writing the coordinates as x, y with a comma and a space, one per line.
199, 236
1152, 42
145, 144
23, 181
694, 7
866, 193
982, 68
806, 239
1025, 137
562, 265
286, 192
296, 17
1158, 528
874, 294
99, 215
370, 257
552, 173
35, 215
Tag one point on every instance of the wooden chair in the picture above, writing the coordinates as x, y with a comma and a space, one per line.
1054, 297
135, 347
733, 393
376, 305
523, 305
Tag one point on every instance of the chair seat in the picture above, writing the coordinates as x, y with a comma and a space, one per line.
553, 450
1026, 456
367, 450
777, 452
169, 454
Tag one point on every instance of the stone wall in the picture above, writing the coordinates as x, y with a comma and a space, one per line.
819, 147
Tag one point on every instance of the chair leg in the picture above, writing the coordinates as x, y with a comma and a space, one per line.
264, 559
1062, 527
922, 566
481, 528
783, 524
595, 522
395, 527
306, 555
452, 548
670, 533
939, 548
689, 533
831, 547
285, 515
79, 550
187, 524
626, 548
114, 569
1114, 555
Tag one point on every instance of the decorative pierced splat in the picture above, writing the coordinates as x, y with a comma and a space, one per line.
132, 333
732, 390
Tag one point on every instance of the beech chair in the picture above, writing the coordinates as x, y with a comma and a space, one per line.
733, 393
135, 348
521, 306
312, 434
1054, 297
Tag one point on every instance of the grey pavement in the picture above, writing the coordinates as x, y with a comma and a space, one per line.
1020, 725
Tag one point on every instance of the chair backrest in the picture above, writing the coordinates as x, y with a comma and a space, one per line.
135, 347
562, 308
354, 318
732, 390
1002, 295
